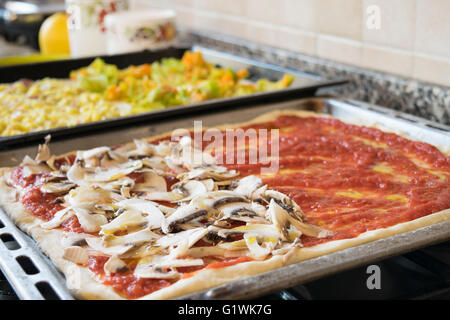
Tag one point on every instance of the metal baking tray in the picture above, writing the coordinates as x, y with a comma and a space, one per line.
258, 285
304, 85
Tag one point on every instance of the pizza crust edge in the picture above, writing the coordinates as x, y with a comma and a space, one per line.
82, 283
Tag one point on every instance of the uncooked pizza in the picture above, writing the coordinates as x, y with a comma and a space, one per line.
144, 221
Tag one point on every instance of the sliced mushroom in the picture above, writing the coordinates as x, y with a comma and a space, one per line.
285, 202
142, 149
87, 197
258, 194
116, 185
58, 218
126, 220
152, 183
174, 239
259, 209
111, 159
183, 246
237, 245
222, 184
27, 161
98, 244
153, 215
147, 266
186, 154
166, 210
213, 172
249, 220
237, 209
210, 251
73, 239
135, 238
57, 187
115, 172
182, 215
192, 158
179, 151
216, 234
175, 168
236, 253
31, 167
88, 176
125, 192
156, 163
76, 174
90, 222
56, 176
114, 265
246, 186
163, 196
118, 245
148, 271
178, 263
76, 255
105, 208
142, 251
95, 153
124, 149
260, 230
287, 249
209, 184
44, 153
163, 148
216, 199
51, 163
190, 189
257, 251
282, 220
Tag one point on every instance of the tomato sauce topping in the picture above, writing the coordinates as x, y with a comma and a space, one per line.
126, 283
42, 205
132, 287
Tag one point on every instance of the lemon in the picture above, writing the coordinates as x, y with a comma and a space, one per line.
54, 36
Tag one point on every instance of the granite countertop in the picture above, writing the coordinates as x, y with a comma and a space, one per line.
426, 100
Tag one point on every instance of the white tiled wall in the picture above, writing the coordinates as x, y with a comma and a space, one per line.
413, 41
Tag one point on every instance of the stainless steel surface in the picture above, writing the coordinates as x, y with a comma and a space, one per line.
25, 267
280, 278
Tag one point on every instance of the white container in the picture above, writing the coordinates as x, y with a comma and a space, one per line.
139, 30
86, 24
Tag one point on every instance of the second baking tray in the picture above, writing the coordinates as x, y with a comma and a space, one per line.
304, 85
250, 287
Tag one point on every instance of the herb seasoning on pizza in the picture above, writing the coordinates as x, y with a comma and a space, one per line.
143, 220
